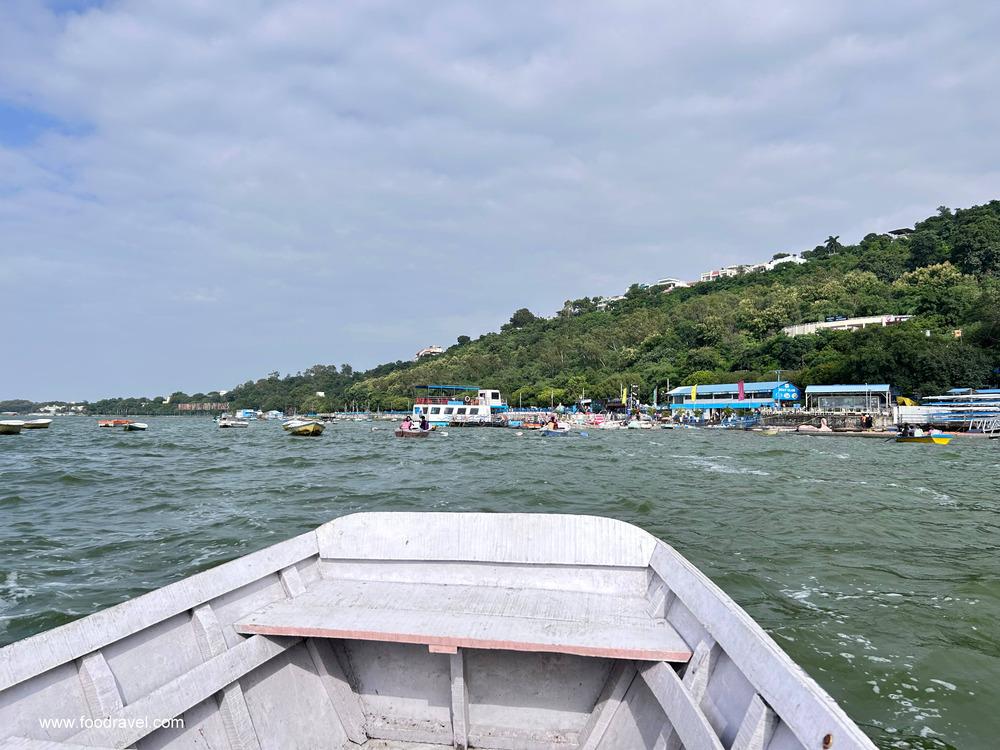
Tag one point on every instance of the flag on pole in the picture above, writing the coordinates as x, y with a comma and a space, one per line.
741, 392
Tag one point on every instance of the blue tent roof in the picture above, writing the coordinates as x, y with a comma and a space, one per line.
725, 404
448, 387
765, 387
842, 389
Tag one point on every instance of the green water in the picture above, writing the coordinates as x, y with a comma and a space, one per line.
874, 565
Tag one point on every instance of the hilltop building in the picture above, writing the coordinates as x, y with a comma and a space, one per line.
669, 284
842, 323
740, 269
430, 351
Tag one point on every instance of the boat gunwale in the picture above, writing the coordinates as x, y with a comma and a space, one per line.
39, 653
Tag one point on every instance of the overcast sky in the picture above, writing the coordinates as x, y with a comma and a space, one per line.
193, 193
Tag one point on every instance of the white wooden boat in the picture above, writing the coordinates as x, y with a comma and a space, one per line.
227, 421
37, 424
388, 630
135, 427
11, 426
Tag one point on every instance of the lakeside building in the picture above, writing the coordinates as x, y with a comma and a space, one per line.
850, 397
430, 351
840, 323
769, 394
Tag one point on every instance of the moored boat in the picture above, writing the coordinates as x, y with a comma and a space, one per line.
37, 424
113, 422
227, 421
304, 427
11, 426
391, 630
935, 439
135, 427
412, 433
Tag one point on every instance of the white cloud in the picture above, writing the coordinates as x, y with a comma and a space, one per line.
492, 156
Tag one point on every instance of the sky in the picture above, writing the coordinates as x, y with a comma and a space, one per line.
195, 194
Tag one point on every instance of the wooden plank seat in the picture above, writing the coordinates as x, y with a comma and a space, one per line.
448, 616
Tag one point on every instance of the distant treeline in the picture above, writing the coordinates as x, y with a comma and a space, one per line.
946, 273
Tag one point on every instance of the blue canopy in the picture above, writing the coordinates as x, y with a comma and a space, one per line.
448, 387
724, 404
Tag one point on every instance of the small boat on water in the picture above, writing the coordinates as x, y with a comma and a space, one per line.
394, 630
304, 427
136, 427
561, 432
37, 424
412, 433
113, 422
11, 426
935, 439
228, 421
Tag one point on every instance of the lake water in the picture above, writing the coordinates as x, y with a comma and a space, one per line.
875, 565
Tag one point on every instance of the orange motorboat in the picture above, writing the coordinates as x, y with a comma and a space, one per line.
113, 422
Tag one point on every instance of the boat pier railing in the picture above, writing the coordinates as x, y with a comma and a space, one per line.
987, 425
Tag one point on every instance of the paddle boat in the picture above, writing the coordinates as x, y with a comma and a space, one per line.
135, 427
304, 427
933, 438
37, 424
412, 433
11, 426
407, 631
560, 432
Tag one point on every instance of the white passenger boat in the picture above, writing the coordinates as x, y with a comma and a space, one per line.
445, 405
389, 630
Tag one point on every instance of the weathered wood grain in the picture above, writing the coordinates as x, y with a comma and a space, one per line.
486, 537
233, 709
619, 679
808, 711
338, 689
191, 688
680, 707
758, 727
459, 701
32, 656
473, 617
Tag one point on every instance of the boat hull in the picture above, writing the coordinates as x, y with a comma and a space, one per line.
412, 433
928, 439
135, 427
37, 424
312, 429
486, 630
11, 427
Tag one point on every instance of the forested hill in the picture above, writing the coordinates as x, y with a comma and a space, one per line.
946, 273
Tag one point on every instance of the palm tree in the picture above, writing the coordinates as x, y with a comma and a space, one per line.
833, 244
